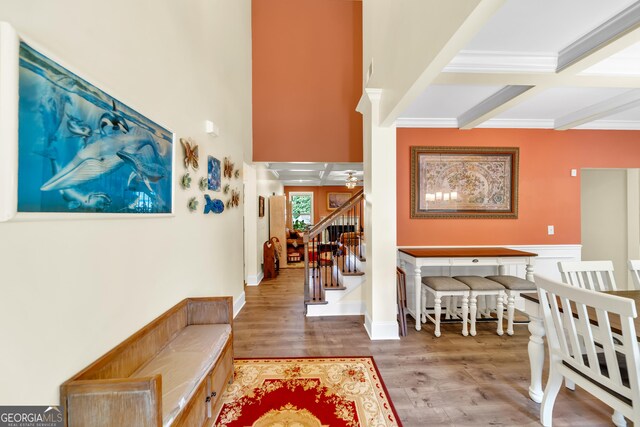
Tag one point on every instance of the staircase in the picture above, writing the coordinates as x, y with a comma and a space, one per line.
334, 262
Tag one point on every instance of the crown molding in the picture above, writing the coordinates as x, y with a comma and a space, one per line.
486, 61
611, 125
426, 123
492, 123
517, 124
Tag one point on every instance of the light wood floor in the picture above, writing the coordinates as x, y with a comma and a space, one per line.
451, 380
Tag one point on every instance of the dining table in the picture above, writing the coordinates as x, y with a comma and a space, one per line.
536, 340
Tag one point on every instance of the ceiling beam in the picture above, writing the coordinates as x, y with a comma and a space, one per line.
492, 105
328, 167
617, 33
612, 36
617, 104
536, 79
445, 53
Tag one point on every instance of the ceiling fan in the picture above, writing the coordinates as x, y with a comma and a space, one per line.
352, 180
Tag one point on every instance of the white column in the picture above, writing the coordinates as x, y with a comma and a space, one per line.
252, 267
379, 152
633, 213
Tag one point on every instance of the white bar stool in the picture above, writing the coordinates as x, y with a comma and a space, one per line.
483, 287
514, 287
444, 286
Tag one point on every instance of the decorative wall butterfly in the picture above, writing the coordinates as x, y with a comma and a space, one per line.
228, 168
190, 153
235, 198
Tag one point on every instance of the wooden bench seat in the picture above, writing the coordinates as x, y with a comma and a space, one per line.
171, 372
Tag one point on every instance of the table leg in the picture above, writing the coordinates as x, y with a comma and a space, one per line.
529, 270
536, 357
417, 281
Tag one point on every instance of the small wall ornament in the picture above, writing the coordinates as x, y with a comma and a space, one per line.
192, 204
190, 153
234, 201
228, 168
203, 183
185, 182
215, 206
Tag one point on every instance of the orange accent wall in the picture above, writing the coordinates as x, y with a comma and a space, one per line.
548, 194
320, 197
307, 80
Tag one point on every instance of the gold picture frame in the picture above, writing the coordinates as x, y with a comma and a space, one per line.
335, 200
464, 182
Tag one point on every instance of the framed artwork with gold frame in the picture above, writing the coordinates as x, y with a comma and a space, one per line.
335, 200
464, 182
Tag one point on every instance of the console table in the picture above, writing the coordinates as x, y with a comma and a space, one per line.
459, 257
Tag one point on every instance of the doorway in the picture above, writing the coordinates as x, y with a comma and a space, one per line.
610, 218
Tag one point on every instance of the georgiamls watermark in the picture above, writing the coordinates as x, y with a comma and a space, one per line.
31, 416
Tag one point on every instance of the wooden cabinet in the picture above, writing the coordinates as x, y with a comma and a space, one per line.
196, 415
219, 379
277, 221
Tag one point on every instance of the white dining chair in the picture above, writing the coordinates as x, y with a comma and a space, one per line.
593, 275
596, 276
607, 370
634, 268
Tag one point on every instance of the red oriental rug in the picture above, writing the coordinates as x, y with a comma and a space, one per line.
306, 392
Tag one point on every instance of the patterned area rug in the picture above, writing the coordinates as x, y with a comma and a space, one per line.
305, 392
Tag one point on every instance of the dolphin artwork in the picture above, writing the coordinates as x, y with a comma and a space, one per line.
97, 159
143, 169
81, 150
113, 121
75, 198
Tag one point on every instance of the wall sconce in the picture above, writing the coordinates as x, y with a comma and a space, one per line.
211, 128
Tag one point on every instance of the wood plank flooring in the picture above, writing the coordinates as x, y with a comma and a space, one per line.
446, 381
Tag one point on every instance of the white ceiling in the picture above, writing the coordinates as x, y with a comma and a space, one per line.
314, 174
556, 64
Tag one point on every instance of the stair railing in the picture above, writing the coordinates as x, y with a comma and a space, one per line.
333, 244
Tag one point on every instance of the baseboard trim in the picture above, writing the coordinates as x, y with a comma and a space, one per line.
238, 304
255, 279
381, 330
351, 308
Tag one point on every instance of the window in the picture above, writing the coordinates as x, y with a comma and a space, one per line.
301, 209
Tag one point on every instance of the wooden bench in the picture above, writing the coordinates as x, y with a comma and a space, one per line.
171, 372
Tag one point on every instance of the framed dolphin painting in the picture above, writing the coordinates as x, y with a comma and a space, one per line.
81, 150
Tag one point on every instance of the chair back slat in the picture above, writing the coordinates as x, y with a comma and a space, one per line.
587, 335
608, 346
576, 304
568, 321
593, 275
634, 267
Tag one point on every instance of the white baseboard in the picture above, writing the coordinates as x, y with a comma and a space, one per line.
381, 330
238, 304
255, 279
347, 308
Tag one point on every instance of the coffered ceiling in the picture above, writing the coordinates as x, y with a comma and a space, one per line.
314, 174
552, 64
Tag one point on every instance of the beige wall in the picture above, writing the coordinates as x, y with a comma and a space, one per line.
604, 218
71, 290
